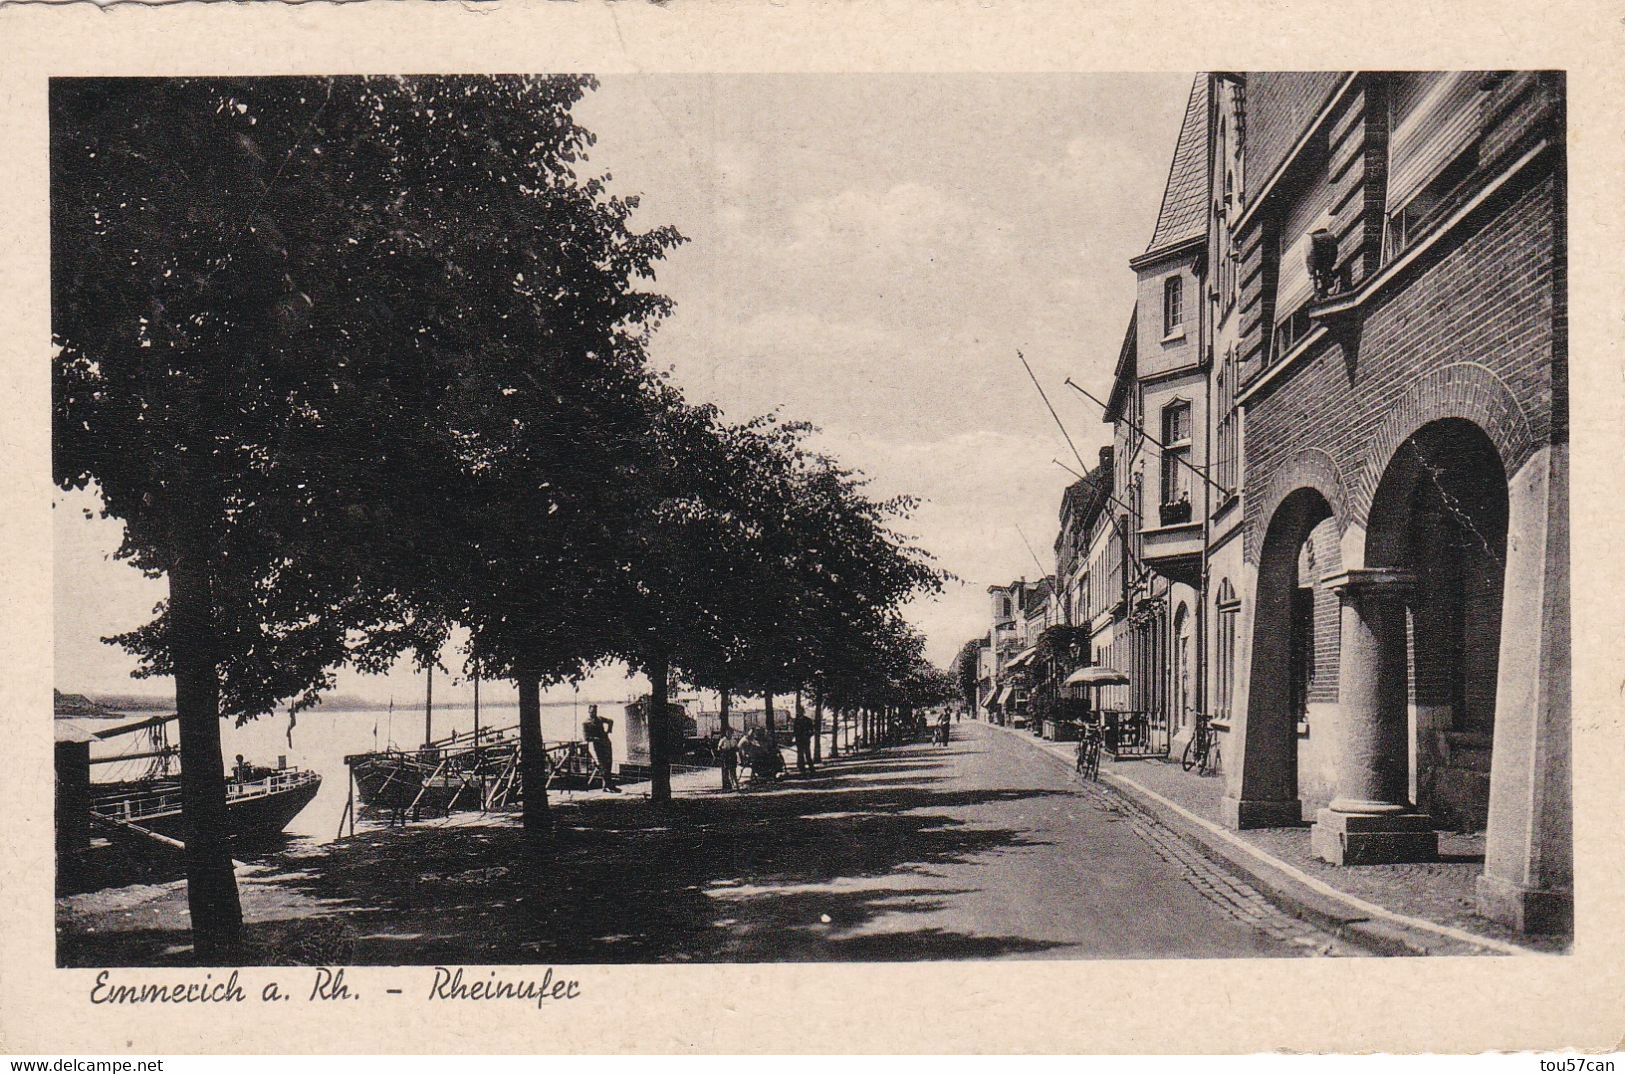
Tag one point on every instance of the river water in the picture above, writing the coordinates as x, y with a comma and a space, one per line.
321, 739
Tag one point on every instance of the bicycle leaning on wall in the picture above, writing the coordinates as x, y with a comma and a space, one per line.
1202, 751
1090, 737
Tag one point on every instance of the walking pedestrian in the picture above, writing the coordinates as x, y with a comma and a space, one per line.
803, 729
728, 759
595, 729
942, 728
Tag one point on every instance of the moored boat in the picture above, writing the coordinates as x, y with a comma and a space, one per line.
257, 808
435, 778
145, 810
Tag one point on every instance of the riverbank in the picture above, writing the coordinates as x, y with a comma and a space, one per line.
917, 852
433, 890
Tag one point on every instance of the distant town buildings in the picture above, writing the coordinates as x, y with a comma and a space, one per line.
1333, 514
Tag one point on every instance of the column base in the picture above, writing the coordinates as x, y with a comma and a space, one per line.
1373, 839
1525, 909
1242, 813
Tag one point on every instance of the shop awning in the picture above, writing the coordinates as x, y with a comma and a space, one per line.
1003, 696
1097, 676
1023, 658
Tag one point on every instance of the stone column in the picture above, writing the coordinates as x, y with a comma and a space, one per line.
1528, 880
1371, 820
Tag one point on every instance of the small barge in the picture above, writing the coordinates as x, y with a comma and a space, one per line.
144, 811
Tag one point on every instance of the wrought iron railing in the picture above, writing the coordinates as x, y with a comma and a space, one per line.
1133, 733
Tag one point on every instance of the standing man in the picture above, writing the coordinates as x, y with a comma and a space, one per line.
804, 730
942, 727
728, 758
595, 729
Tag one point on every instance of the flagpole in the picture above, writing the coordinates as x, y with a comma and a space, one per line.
1153, 441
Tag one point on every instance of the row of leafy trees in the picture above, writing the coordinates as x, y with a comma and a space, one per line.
966, 670
361, 362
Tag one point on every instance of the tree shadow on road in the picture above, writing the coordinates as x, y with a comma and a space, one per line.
757, 877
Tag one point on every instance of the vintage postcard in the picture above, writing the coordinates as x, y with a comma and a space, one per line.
591, 527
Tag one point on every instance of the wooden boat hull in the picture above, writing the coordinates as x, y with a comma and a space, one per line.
401, 780
253, 817
387, 781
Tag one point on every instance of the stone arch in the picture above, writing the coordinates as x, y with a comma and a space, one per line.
1266, 788
1310, 468
1465, 390
1440, 515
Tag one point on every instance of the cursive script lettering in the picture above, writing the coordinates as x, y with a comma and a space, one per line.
449, 984
207, 990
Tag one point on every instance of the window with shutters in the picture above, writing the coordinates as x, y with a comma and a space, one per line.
1294, 223
1227, 460
1434, 123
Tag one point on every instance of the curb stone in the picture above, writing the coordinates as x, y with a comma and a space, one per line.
1282, 890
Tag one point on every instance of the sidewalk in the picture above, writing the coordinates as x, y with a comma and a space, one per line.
1424, 908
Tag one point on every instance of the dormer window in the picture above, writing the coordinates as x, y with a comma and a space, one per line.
1173, 305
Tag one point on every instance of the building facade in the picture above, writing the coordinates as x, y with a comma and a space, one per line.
1401, 369
1021, 611
1335, 518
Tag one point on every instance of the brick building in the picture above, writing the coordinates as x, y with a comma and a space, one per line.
1387, 271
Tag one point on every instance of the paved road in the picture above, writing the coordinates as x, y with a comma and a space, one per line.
985, 848
1047, 867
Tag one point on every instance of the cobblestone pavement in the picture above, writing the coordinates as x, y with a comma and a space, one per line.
1230, 894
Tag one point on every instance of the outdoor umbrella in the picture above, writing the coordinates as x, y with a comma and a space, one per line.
1097, 676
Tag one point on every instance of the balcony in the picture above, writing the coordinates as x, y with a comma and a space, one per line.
1174, 549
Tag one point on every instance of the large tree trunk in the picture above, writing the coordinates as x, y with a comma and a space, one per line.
818, 727
727, 700
767, 714
659, 756
532, 758
211, 886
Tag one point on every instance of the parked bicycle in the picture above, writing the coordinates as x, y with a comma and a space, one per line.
1089, 742
1202, 751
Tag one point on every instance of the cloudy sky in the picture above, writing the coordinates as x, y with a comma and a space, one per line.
867, 253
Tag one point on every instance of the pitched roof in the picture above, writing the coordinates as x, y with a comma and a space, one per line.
1083, 499
1124, 374
1039, 592
1183, 215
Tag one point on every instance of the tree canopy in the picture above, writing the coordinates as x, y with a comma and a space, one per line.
360, 361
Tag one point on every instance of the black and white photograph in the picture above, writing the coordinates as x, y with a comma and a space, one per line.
567, 519
696, 528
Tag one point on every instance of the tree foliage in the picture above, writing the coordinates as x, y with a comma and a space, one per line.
359, 361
